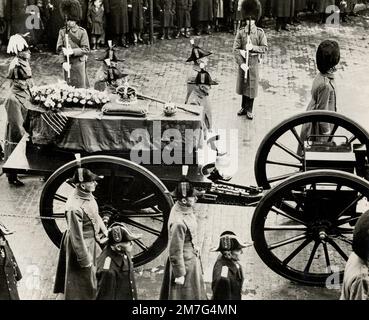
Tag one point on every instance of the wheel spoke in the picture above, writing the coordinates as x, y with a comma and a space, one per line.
58, 215
289, 151
145, 200
327, 260
284, 214
311, 258
295, 252
338, 249
350, 205
342, 230
352, 139
299, 140
285, 164
335, 127
286, 242
141, 226
60, 198
285, 228
341, 222
344, 239
141, 244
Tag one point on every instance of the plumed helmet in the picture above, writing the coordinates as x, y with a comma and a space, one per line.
327, 55
360, 241
71, 10
228, 241
251, 8
17, 43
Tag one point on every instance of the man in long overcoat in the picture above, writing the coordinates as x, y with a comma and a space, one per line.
167, 9
117, 17
79, 250
183, 12
283, 10
183, 279
205, 14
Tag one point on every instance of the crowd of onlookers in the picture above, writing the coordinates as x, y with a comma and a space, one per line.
127, 22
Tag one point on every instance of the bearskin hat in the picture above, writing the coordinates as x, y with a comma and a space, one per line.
327, 55
360, 241
251, 8
71, 10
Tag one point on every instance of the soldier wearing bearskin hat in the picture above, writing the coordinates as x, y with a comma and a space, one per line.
323, 92
73, 45
356, 277
251, 41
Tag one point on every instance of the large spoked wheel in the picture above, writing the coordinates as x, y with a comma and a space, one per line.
128, 193
302, 229
281, 155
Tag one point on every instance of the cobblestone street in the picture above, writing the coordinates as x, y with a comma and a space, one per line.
160, 71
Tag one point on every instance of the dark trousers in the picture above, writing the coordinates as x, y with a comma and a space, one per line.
247, 103
281, 22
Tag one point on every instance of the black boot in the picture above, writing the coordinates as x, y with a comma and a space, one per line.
249, 108
13, 180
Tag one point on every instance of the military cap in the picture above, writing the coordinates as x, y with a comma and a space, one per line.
251, 8
71, 10
84, 175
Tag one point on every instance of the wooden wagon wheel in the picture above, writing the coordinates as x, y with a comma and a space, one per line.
277, 157
302, 229
129, 193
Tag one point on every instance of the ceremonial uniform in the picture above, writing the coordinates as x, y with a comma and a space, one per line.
9, 271
78, 41
76, 271
249, 88
199, 96
115, 276
227, 279
183, 258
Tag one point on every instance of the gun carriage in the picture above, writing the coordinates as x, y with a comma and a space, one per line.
303, 222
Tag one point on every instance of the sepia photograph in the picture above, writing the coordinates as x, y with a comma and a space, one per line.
202, 151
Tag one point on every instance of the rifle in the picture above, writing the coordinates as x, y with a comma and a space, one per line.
67, 47
248, 41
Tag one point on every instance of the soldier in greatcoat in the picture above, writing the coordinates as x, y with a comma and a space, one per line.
77, 48
183, 276
228, 276
323, 91
115, 277
247, 86
137, 9
80, 247
9, 270
205, 14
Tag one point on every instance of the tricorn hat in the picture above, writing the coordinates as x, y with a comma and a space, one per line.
251, 8
84, 175
71, 10
184, 187
360, 241
328, 55
118, 233
197, 52
228, 241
